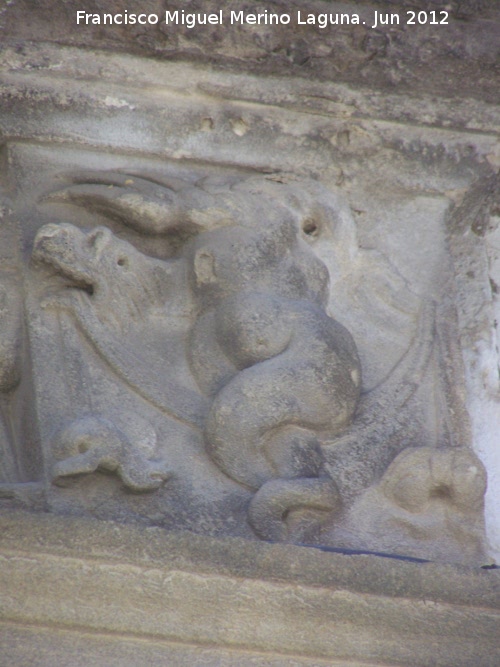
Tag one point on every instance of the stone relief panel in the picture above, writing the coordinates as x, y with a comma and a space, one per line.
215, 350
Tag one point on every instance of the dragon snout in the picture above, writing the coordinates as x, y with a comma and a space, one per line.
48, 231
51, 238
61, 246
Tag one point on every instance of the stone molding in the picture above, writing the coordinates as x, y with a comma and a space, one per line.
144, 584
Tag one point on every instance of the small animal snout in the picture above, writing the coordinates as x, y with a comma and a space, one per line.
51, 237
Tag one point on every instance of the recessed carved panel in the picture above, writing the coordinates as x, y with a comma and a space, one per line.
217, 351
250, 334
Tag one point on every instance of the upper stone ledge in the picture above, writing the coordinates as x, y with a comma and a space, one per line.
454, 60
59, 70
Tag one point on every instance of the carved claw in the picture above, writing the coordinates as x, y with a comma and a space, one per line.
276, 499
96, 444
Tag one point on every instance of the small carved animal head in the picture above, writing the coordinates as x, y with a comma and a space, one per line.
104, 268
264, 252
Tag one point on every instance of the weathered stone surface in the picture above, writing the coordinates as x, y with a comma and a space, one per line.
47, 648
316, 606
410, 58
229, 272
248, 290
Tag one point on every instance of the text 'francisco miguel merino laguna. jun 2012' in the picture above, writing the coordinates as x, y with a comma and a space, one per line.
240, 17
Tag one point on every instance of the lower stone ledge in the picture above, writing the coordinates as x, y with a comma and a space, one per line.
129, 594
50, 646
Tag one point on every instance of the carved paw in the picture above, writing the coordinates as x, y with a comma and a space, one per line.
422, 476
96, 444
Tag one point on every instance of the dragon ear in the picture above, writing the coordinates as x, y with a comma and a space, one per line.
99, 238
204, 267
147, 206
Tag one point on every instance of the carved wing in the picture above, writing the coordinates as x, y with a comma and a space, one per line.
148, 206
368, 446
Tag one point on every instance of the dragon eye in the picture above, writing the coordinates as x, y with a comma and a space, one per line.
122, 261
310, 228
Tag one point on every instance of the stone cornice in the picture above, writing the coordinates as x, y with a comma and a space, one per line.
148, 584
